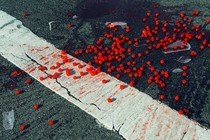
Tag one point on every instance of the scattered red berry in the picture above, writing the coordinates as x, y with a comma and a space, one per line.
74, 64
60, 70
162, 61
162, 85
184, 82
184, 68
122, 87
24, 14
52, 67
49, 76
193, 53
68, 72
162, 97
41, 78
36, 106
109, 100
28, 81
22, 127
80, 66
184, 74
74, 77
69, 25
55, 76
82, 73
50, 122
17, 92
176, 97
58, 64
180, 112
104, 81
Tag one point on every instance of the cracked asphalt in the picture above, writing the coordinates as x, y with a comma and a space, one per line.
70, 122
86, 29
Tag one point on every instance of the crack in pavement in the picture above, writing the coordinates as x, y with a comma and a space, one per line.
19, 57
68, 92
8, 23
183, 135
204, 26
118, 131
95, 105
185, 132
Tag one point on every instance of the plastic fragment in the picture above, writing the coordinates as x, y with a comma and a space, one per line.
177, 70
50, 25
184, 59
8, 120
75, 17
116, 23
177, 44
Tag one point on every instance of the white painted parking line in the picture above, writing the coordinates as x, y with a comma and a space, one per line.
136, 115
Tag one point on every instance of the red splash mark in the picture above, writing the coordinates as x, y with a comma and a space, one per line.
46, 63
58, 89
151, 107
193, 137
160, 122
148, 121
46, 47
55, 56
15, 74
28, 67
159, 126
127, 95
87, 93
117, 85
115, 92
39, 49
42, 58
50, 54
166, 111
97, 100
81, 92
136, 126
33, 69
144, 129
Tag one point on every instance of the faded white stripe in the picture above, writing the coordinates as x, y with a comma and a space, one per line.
136, 114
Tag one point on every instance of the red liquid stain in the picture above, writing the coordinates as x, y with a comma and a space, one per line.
15, 73
42, 58
33, 69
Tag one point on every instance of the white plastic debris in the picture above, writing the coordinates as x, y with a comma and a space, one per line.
116, 23
8, 120
184, 59
177, 70
50, 25
75, 17
178, 44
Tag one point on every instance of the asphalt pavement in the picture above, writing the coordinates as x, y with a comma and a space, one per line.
73, 123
